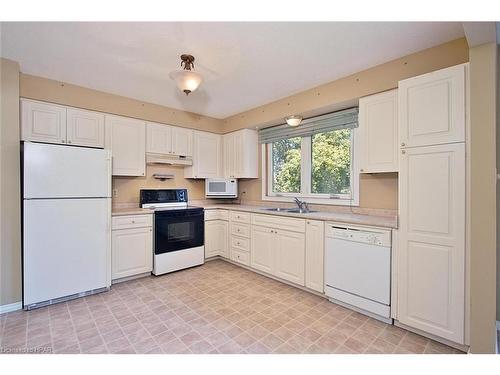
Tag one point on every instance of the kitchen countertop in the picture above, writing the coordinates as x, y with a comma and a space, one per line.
388, 221
131, 211
340, 217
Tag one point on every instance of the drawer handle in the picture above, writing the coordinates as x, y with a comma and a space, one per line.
238, 229
237, 243
133, 221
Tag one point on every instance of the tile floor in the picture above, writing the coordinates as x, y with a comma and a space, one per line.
215, 308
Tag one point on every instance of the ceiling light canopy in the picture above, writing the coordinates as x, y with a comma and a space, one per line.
187, 79
294, 120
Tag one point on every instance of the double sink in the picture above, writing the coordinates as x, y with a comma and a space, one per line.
289, 210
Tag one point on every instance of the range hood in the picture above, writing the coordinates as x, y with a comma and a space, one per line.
152, 158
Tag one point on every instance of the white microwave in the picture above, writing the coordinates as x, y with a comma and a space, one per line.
221, 188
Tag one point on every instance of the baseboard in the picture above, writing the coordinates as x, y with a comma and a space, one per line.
11, 307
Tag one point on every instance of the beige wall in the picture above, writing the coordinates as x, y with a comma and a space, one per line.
10, 215
376, 190
127, 188
77, 96
335, 94
498, 185
483, 65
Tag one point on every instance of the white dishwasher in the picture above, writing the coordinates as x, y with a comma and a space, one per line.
358, 268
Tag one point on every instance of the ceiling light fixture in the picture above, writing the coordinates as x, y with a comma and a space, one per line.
293, 120
187, 79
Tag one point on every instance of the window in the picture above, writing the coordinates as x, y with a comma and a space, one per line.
286, 165
318, 167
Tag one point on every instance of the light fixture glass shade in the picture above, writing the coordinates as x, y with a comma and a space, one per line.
186, 80
293, 120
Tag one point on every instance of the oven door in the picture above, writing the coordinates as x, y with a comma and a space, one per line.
178, 230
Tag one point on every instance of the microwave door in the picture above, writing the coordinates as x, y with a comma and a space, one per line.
217, 187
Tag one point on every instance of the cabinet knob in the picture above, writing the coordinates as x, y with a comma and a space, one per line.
361, 170
69, 141
63, 141
403, 152
403, 144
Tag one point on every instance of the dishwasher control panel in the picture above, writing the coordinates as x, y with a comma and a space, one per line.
363, 235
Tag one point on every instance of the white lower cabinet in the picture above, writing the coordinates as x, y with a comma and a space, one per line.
278, 252
132, 246
262, 253
314, 257
431, 269
290, 253
216, 238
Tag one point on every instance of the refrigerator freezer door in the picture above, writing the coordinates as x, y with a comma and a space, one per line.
66, 247
52, 171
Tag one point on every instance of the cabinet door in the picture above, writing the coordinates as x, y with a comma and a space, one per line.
132, 252
239, 149
315, 239
158, 138
43, 122
432, 240
378, 132
432, 108
224, 238
207, 156
182, 141
290, 256
85, 128
263, 249
216, 238
125, 137
229, 156
241, 154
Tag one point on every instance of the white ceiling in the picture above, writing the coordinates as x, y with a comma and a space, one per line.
244, 64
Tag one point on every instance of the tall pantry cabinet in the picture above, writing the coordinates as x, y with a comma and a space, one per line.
432, 203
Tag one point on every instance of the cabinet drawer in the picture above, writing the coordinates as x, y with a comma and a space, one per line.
240, 243
280, 222
240, 217
132, 221
240, 229
216, 215
239, 256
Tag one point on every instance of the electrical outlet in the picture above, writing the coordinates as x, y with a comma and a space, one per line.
115, 193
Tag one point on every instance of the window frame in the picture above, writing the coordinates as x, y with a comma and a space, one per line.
306, 177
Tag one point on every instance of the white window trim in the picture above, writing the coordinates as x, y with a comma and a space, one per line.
305, 171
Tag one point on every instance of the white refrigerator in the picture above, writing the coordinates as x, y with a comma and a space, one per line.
66, 222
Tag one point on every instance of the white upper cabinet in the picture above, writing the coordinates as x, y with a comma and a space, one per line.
431, 280
182, 141
432, 108
52, 123
85, 128
207, 156
158, 138
378, 132
43, 122
126, 138
240, 154
169, 140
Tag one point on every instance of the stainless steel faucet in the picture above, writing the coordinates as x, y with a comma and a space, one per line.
303, 207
